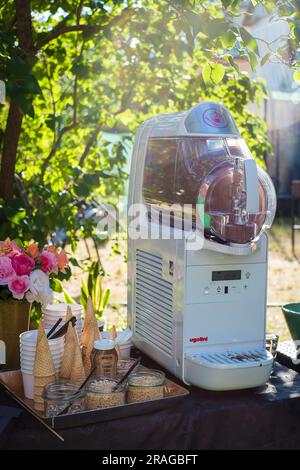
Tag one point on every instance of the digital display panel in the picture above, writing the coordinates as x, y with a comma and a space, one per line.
227, 275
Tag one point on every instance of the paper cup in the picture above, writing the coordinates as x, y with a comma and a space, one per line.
30, 338
52, 345
59, 310
31, 357
28, 384
125, 350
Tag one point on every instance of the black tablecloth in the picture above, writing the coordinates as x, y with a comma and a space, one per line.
265, 418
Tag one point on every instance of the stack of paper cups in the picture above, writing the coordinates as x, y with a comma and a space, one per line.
28, 341
53, 312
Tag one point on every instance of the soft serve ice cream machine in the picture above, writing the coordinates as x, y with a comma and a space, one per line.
199, 309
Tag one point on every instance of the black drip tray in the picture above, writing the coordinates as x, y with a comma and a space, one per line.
288, 354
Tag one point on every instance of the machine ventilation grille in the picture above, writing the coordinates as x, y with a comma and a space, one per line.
154, 302
229, 359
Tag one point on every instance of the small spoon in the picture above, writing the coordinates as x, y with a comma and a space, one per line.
66, 409
62, 331
54, 327
127, 374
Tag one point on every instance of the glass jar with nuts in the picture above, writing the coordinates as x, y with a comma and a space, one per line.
146, 385
100, 394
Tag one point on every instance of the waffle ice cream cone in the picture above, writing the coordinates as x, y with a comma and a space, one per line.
39, 406
87, 356
67, 361
40, 382
69, 313
113, 336
43, 362
43, 369
77, 371
90, 324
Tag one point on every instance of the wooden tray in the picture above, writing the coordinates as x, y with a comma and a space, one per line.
12, 382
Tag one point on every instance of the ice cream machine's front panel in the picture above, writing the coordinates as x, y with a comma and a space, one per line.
223, 283
224, 304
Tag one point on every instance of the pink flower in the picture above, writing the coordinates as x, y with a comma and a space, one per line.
48, 262
18, 286
7, 272
33, 250
61, 257
9, 248
22, 264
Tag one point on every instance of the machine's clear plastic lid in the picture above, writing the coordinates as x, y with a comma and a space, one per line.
236, 201
212, 181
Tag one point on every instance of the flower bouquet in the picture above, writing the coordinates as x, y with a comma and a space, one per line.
28, 276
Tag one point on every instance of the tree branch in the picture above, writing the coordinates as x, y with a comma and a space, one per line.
79, 11
63, 28
93, 138
14, 120
55, 146
65, 129
89, 144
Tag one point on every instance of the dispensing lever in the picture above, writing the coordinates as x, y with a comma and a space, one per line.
251, 186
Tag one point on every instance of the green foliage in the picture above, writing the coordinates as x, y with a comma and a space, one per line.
108, 66
213, 73
93, 288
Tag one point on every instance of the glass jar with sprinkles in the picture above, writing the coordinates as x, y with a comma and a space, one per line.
145, 385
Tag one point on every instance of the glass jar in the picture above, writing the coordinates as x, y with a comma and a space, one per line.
124, 365
58, 396
145, 385
105, 358
99, 393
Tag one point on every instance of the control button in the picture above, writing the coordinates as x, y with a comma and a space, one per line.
219, 289
248, 275
206, 290
245, 286
226, 290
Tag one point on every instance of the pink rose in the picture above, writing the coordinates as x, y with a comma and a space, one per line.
7, 272
9, 248
48, 262
18, 286
22, 264
61, 257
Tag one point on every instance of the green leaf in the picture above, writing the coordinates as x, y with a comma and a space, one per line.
213, 73
297, 76
106, 297
56, 285
248, 40
67, 298
253, 60
216, 28
84, 288
90, 284
74, 262
265, 58
226, 3
228, 39
233, 64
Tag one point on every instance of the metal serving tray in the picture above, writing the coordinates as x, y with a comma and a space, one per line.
12, 382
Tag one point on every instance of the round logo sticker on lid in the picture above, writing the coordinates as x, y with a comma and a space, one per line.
215, 118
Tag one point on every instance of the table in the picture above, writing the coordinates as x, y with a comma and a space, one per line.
265, 418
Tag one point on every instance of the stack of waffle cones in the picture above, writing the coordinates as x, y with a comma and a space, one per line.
113, 336
43, 370
72, 366
89, 336
77, 371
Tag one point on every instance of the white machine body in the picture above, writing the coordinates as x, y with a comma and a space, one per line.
201, 313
